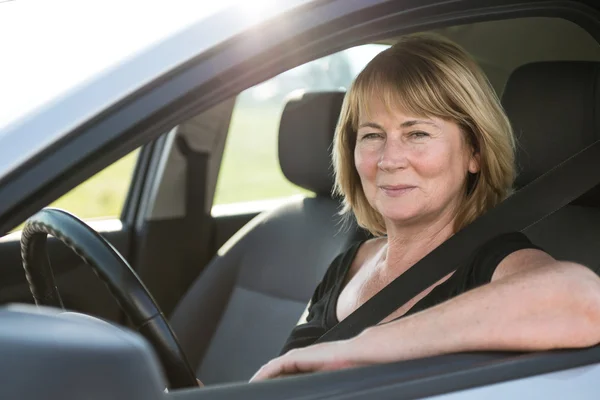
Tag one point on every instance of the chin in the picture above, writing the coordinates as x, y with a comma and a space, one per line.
402, 219
401, 216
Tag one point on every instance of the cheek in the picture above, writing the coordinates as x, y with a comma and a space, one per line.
434, 161
366, 163
442, 166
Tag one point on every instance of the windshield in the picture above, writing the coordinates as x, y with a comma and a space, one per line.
49, 47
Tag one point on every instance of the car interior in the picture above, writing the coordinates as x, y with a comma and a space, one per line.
235, 279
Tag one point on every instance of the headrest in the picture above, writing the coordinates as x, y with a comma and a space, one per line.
554, 108
305, 139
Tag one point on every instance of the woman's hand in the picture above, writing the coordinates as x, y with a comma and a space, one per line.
320, 357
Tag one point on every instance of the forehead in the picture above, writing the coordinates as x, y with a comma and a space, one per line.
371, 107
379, 112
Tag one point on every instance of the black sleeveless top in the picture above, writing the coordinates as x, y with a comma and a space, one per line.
477, 271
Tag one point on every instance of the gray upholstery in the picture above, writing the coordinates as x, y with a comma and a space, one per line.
572, 233
555, 111
239, 312
553, 107
307, 127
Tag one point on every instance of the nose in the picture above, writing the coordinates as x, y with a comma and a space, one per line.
393, 155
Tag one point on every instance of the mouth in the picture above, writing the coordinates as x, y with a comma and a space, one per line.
396, 190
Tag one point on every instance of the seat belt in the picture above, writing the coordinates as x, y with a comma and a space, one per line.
542, 197
200, 225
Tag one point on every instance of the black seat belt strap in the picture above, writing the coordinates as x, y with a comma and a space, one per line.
542, 197
198, 219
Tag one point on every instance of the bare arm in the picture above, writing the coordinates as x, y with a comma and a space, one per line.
533, 303
551, 305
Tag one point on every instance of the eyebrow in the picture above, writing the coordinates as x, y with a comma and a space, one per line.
414, 122
405, 124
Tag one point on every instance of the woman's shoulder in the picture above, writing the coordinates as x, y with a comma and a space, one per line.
503, 244
486, 258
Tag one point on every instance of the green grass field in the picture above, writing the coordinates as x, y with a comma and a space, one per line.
250, 167
249, 170
103, 195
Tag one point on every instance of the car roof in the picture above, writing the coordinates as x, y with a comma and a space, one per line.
45, 118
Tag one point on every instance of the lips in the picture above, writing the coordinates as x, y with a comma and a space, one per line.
396, 190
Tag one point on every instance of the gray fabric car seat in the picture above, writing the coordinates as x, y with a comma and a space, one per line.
554, 108
239, 312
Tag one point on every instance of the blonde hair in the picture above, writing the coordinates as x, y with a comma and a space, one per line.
426, 75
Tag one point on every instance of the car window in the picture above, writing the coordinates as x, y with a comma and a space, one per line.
250, 168
103, 195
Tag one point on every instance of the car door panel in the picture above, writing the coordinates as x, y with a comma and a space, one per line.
469, 375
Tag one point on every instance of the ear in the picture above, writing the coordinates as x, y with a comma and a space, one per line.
474, 163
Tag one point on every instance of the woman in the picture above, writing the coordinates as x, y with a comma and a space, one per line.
422, 148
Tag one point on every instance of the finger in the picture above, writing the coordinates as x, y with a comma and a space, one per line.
292, 363
299, 365
279, 367
267, 371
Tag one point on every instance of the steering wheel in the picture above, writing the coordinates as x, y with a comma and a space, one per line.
113, 269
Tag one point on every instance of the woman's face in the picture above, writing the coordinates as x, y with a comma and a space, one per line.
412, 169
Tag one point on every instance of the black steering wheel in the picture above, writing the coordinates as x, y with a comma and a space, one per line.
113, 269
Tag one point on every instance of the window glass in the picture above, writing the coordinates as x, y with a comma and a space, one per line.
103, 195
250, 169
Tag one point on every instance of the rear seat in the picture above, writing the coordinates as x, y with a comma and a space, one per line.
554, 108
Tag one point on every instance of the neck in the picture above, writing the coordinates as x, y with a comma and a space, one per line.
407, 244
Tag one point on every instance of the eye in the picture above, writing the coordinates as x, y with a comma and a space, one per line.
419, 134
370, 136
